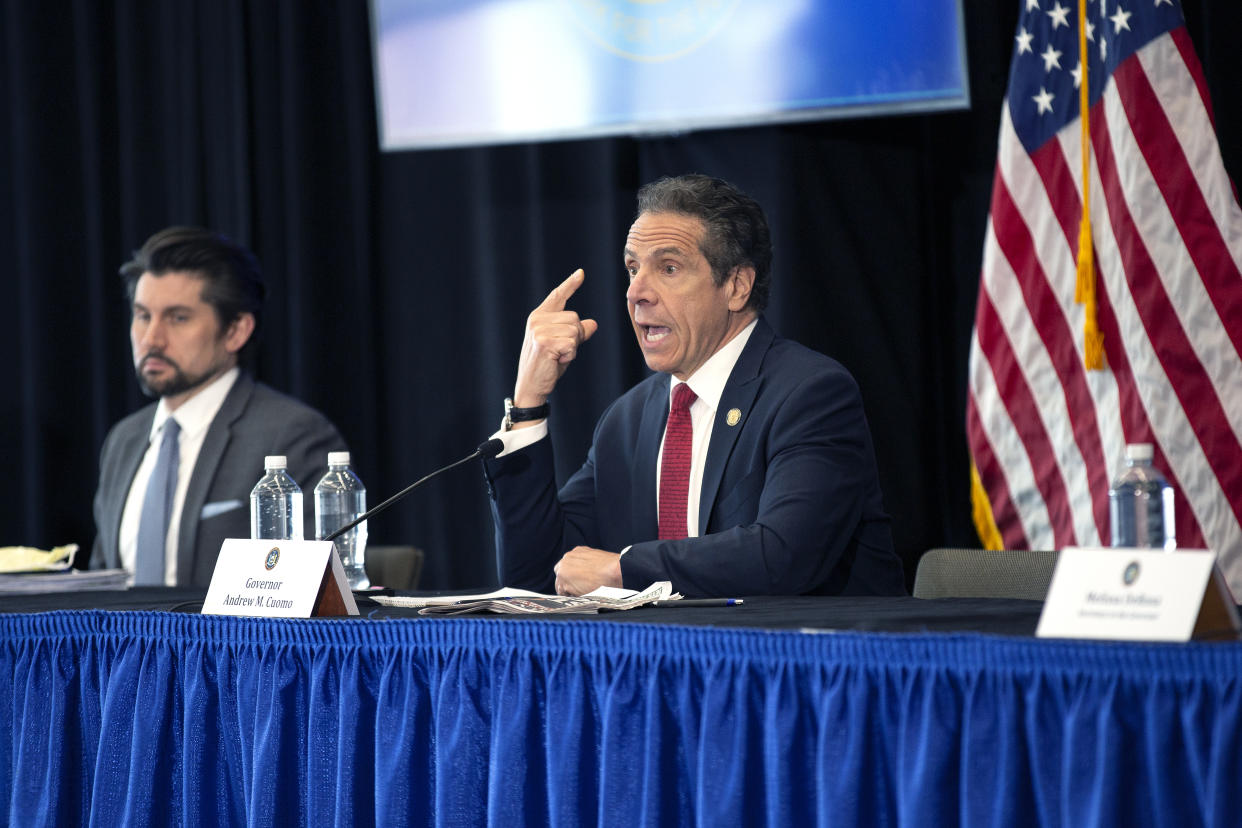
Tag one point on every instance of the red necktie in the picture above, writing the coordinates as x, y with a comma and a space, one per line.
675, 465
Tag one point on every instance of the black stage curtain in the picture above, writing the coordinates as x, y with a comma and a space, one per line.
400, 282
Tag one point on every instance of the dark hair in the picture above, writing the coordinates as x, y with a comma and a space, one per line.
232, 280
737, 231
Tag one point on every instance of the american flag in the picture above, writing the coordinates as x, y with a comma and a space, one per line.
1047, 435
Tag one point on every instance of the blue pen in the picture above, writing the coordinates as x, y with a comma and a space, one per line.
698, 602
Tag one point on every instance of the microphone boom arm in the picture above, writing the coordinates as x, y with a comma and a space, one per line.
489, 449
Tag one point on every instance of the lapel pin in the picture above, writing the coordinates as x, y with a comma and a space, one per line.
734, 416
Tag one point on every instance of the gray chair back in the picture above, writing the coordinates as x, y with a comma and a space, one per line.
984, 573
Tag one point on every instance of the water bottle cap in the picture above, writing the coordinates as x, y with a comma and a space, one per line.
1139, 451
338, 458
274, 461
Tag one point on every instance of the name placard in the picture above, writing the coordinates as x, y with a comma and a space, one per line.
279, 579
1137, 595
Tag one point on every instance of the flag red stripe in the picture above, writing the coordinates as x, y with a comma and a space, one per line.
1181, 39
1062, 188
1054, 330
1020, 403
1136, 427
993, 479
1186, 376
1172, 173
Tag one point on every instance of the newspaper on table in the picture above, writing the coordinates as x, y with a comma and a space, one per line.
524, 602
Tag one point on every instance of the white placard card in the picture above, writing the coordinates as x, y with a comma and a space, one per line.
1137, 595
279, 579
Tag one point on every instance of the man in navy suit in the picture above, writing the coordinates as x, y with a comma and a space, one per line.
782, 495
196, 302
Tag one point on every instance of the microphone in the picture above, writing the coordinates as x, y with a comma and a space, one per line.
485, 450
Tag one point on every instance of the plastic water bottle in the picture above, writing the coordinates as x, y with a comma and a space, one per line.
276, 503
1140, 503
340, 498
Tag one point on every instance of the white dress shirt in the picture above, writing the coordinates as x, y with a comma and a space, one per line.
194, 416
708, 384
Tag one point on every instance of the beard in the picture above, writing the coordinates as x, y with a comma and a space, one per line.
178, 383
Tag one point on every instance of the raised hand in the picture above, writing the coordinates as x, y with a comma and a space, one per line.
553, 335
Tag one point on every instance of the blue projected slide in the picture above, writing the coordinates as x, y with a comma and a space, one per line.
456, 72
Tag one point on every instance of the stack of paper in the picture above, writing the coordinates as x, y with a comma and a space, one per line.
25, 570
523, 601
73, 580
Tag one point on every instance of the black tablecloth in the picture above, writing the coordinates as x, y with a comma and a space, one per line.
870, 614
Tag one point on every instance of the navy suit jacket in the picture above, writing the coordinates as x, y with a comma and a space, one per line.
253, 422
790, 502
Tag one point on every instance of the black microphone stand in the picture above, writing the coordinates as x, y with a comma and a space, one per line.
489, 449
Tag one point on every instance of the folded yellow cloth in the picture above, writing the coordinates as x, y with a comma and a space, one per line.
29, 559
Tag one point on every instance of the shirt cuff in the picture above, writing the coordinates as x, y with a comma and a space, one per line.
520, 438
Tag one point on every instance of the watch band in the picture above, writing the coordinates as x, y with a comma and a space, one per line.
513, 414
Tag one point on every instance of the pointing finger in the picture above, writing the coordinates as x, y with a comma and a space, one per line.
560, 294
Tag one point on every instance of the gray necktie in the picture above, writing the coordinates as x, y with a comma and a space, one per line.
157, 509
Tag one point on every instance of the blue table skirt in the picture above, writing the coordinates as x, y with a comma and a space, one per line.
157, 718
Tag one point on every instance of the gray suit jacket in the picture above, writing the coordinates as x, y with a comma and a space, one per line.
254, 421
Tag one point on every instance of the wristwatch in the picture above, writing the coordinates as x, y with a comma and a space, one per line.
513, 414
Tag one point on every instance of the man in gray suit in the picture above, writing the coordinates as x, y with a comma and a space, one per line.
197, 301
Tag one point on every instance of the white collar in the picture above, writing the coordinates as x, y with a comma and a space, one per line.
195, 414
709, 380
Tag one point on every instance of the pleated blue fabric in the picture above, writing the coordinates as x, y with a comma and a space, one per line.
164, 719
